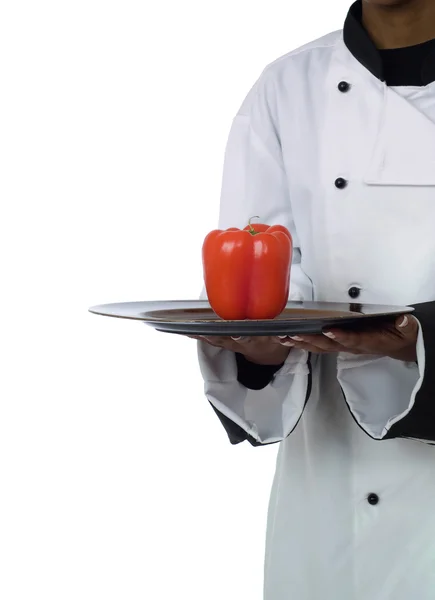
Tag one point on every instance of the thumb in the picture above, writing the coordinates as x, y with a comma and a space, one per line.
406, 324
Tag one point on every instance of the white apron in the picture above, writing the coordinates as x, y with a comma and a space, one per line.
293, 137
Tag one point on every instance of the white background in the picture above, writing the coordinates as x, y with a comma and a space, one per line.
117, 480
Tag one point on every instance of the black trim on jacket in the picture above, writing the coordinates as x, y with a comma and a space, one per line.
417, 66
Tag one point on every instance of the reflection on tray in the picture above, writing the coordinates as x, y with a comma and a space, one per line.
208, 315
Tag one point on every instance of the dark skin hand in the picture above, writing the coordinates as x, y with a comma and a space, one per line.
397, 340
257, 349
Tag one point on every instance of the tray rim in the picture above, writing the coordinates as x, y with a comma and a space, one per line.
354, 315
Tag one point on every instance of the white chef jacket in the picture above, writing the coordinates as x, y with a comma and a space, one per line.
294, 136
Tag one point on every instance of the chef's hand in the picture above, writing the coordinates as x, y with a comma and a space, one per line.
257, 349
397, 340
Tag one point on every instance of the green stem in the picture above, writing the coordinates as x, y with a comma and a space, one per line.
252, 230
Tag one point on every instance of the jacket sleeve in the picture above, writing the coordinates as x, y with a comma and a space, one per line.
266, 407
392, 399
419, 422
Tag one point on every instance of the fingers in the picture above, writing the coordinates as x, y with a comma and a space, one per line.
391, 339
402, 322
241, 339
234, 343
368, 341
213, 341
348, 339
218, 341
243, 344
318, 344
285, 340
407, 326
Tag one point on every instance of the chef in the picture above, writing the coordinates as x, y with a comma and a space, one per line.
336, 141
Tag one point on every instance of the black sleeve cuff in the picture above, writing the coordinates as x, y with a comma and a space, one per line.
253, 376
420, 422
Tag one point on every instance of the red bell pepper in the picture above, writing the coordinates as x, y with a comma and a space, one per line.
247, 271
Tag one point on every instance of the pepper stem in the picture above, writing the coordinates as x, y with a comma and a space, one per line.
251, 229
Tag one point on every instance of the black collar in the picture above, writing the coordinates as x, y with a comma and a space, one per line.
364, 50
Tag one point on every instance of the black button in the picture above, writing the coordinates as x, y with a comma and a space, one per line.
354, 292
373, 499
343, 86
340, 183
